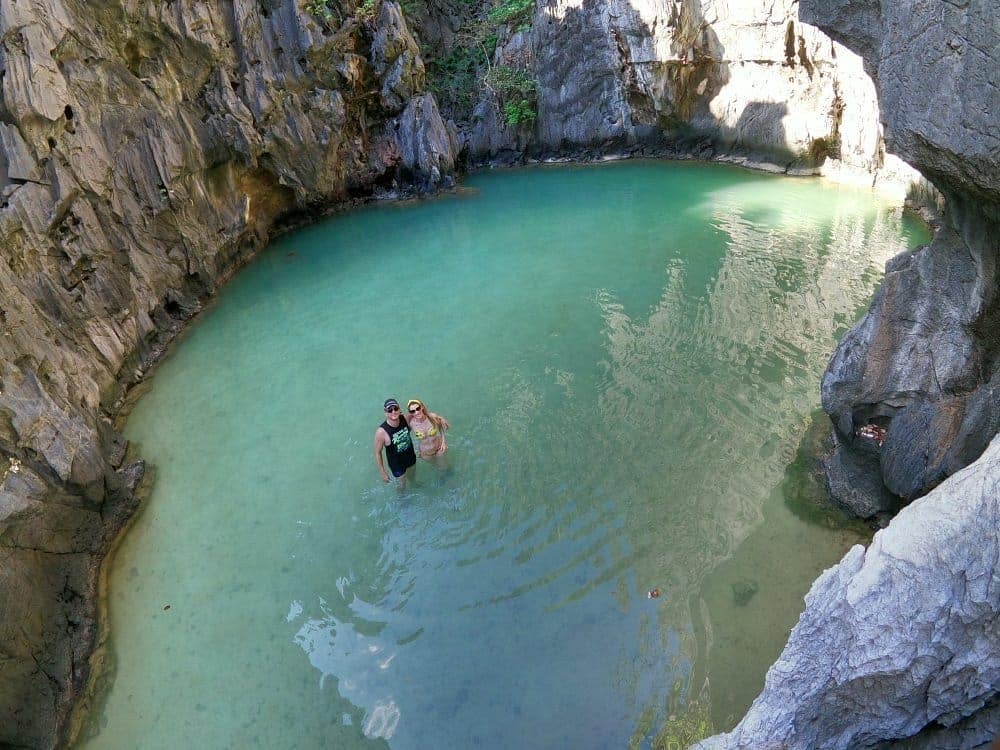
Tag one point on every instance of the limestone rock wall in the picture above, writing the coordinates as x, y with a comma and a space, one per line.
734, 77
923, 364
145, 151
899, 646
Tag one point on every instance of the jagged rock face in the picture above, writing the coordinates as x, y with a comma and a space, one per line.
903, 636
146, 150
918, 365
952, 53
745, 77
899, 646
923, 364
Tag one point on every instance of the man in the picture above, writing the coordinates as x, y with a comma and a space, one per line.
393, 435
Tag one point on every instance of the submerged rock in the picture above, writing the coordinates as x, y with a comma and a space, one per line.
744, 590
903, 636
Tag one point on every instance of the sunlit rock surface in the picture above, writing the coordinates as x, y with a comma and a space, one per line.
727, 77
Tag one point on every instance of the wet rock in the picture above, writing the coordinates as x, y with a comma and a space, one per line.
854, 481
132, 474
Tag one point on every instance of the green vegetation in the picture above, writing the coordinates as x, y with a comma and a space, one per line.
328, 11
516, 13
409, 7
823, 148
517, 113
319, 9
687, 723
507, 80
516, 90
455, 78
460, 77
683, 729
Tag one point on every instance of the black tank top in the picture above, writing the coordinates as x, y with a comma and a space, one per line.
399, 452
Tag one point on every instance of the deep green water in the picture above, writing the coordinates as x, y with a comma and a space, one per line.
630, 357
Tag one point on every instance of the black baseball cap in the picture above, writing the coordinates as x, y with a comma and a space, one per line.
389, 402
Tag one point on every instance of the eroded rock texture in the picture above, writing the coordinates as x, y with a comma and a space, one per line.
923, 362
147, 148
715, 75
897, 639
899, 646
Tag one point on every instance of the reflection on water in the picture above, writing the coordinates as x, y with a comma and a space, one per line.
630, 356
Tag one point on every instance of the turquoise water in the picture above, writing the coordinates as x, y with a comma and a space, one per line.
629, 356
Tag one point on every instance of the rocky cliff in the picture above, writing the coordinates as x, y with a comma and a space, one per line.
899, 639
899, 645
147, 149
709, 76
923, 364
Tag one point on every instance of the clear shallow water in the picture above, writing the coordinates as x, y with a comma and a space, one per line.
630, 358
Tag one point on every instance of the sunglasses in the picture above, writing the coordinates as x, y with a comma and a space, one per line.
415, 409
391, 409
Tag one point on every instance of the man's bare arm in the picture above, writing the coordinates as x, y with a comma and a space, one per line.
381, 440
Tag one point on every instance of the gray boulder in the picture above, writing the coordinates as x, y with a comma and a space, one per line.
426, 144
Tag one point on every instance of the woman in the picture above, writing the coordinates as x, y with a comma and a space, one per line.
428, 428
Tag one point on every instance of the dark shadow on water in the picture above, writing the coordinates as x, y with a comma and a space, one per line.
804, 487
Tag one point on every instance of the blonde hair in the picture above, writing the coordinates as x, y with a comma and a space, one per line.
434, 419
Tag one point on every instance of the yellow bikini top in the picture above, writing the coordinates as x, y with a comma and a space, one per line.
420, 434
